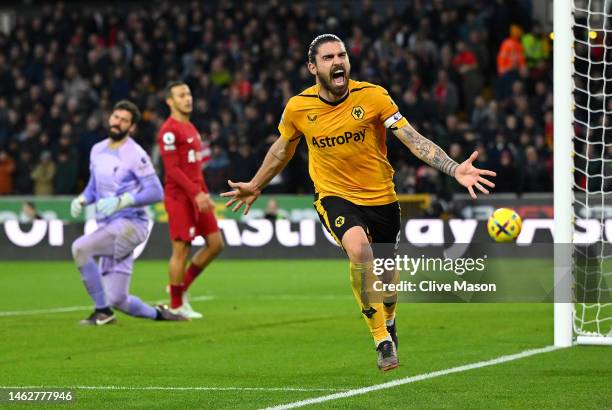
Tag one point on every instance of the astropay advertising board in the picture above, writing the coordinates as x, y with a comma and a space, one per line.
263, 238
306, 238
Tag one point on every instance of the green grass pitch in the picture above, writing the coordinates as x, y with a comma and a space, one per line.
271, 326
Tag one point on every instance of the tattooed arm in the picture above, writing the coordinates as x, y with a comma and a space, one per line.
424, 149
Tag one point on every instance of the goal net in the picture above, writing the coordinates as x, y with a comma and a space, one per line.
592, 152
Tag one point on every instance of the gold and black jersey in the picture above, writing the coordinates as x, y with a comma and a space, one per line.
346, 141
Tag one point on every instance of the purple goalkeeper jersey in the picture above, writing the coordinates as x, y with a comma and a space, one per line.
114, 171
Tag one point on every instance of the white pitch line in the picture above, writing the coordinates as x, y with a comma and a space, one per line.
192, 299
169, 388
43, 311
79, 308
413, 379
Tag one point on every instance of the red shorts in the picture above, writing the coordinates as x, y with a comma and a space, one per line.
186, 222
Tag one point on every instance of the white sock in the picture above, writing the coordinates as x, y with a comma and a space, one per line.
390, 322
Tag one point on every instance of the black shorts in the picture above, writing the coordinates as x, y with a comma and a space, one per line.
381, 223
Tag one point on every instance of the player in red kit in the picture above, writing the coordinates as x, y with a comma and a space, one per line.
189, 206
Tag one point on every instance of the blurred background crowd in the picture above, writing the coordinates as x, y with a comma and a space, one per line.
470, 75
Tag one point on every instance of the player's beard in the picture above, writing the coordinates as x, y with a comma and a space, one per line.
116, 134
327, 83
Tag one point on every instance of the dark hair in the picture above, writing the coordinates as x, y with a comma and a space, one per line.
313, 49
129, 107
170, 86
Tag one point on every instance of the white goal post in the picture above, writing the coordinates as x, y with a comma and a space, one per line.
582, 170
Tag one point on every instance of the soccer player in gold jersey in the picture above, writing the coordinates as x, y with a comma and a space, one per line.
344, 123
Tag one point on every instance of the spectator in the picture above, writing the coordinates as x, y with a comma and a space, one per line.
483, 160
428, 180
29, 213
480, 114
7, 168
120, 85
64, 181
220, 75
530, 126
511, 55
242, 70
92, 135
244, 164
471, 80
43, 174
548, 127
445, 94
23, 174
511, 130
452, 132
536, 46
4, 120
272, 211
510, 59
217, 169
541, 100
477, 45
508, 178
405, 179
534, 177
74, 85
495, 115
415, 106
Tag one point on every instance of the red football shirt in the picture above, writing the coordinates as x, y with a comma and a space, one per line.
181, 151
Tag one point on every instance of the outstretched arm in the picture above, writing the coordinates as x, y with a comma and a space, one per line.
427, 151
277, 157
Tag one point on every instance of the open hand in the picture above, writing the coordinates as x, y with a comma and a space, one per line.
243, 193
469, 176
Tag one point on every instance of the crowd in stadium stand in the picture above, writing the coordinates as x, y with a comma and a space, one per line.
473, 76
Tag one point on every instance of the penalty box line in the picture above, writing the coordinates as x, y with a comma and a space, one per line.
414, 379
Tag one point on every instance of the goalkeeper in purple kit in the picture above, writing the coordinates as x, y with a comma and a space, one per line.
122, 183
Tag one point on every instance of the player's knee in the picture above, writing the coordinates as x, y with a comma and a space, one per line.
79, 252
216, 245
356, 245
359, 252
180, 250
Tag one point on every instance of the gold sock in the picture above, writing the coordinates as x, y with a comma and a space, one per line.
390, 297
369, 301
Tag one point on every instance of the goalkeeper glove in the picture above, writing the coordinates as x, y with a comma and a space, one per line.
112, 204
76, 206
